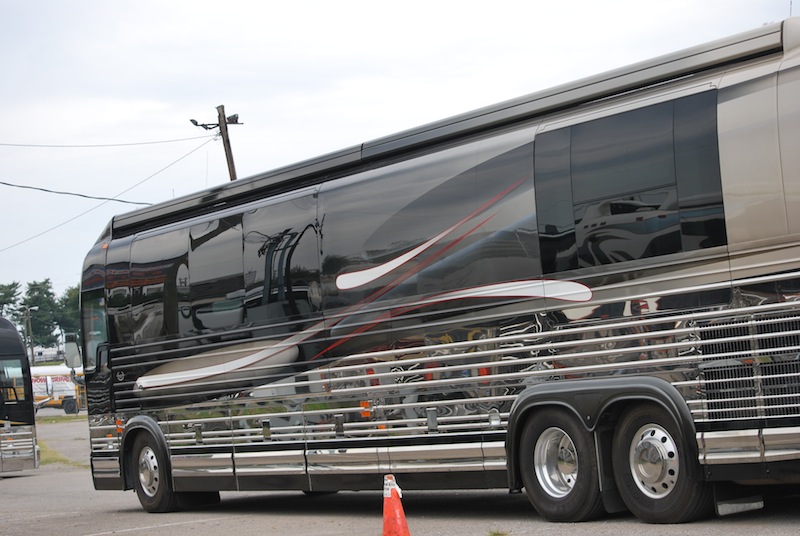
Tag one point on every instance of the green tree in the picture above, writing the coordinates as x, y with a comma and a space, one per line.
9, 298
68, 310
40, 300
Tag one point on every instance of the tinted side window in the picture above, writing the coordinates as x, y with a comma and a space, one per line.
556, 220
118, 291
216, 279
630, 186
697, 170
628, 152
160, 285
281, 261
623, 186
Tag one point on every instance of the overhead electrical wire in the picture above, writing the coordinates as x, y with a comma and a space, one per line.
55, 146
104, 202
164, 168
71, 193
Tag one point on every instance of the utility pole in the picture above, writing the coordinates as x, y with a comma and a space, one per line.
226, 141
223, 123
28, 310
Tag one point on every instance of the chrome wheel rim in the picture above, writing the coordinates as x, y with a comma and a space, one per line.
148, 471
654, 462
555, 461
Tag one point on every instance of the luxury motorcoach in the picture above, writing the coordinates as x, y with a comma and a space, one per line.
588, 293
18, 448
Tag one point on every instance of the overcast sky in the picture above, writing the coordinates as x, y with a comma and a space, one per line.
306, 78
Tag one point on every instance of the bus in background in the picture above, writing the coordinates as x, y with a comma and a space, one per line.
591, 294
18, 449
53, 387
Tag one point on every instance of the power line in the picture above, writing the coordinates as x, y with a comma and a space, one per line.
163, 169
104, 202
71, 193
56, 146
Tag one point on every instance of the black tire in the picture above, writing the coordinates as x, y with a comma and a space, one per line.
150, 475
70, 406
558, 463
652, 468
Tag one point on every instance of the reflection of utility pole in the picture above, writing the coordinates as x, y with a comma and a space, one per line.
223, 131
30, 332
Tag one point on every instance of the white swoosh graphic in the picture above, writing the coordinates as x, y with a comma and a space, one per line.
157, 379
363, 277
243, 356
532, 288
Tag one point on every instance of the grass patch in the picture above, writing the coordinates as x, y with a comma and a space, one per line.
52, 419
49, 363
49, 456
498, 533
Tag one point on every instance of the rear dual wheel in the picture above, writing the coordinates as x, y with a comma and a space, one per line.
652, 468
559, 467
655, 473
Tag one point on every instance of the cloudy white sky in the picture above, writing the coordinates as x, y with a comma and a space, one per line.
85, 85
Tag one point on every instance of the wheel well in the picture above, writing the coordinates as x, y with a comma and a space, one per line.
134, 428
598, 404
603, 434
127, 457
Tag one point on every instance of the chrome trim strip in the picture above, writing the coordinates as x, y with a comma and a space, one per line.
739, 446
18, 450
436, 458
781, 443
201, 464
749, 446
106, 468
268, 463
343, 460
494, 455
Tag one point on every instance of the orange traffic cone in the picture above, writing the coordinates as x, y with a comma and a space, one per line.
394, 519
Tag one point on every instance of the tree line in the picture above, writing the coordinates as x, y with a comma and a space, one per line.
49, 314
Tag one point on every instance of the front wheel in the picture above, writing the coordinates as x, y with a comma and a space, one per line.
559, 468
651, 468
151, 477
